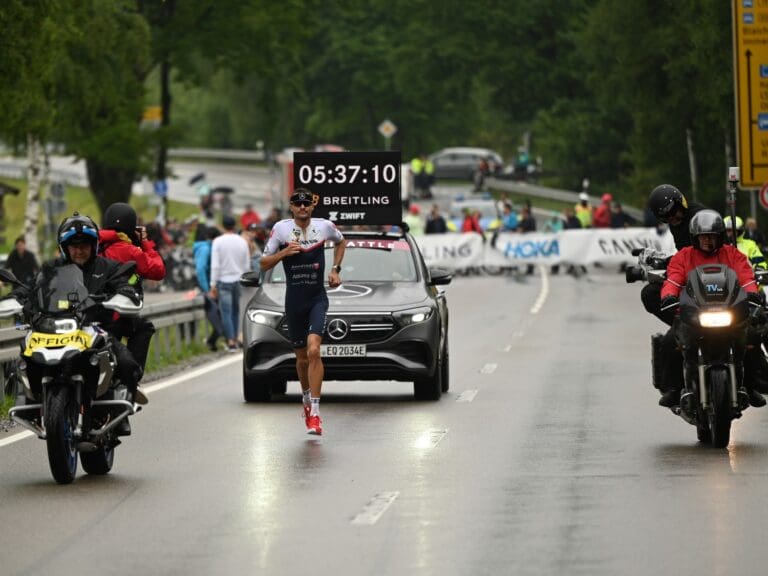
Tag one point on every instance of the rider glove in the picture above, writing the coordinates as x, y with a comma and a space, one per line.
669, 302
756, 298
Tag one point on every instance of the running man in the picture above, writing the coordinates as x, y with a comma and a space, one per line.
300, 244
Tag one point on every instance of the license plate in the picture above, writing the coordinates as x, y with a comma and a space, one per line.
343, 350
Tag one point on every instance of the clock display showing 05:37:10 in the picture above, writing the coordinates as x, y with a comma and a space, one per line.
348, 174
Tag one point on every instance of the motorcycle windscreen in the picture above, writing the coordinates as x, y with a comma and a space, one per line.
60, 289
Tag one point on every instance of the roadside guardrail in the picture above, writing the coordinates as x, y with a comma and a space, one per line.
177, 323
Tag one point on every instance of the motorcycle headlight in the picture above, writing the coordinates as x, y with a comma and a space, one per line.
414, 316
715, 319
265, 317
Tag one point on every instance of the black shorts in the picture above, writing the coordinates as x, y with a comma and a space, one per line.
306, 317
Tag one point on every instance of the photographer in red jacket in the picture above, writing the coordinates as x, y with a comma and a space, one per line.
708, 247
122, 240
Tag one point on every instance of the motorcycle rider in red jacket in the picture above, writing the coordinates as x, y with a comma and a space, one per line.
708, 247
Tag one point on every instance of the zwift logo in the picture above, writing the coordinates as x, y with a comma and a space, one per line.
531, 249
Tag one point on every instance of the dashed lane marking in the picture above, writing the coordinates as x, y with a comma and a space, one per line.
375, 508
466, 396
430, 439
489, 369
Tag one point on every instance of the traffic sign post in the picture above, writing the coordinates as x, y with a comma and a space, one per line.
750, 45
763, 196
387, 129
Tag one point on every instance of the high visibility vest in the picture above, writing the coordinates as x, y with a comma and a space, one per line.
417, 165
584, 214
752, 251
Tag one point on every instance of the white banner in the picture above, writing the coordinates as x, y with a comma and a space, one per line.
602, 245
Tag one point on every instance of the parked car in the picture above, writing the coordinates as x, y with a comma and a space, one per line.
385, 322
462, 163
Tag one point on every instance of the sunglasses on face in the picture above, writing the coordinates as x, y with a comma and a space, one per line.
305, 203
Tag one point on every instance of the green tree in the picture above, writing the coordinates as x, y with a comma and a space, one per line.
99, 91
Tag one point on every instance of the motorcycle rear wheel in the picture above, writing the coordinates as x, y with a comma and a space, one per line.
60, 423
720, 411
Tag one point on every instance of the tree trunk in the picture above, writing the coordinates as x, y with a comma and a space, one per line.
32, 212
692, 164
108, 184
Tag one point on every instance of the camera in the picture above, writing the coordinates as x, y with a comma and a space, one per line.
635, 274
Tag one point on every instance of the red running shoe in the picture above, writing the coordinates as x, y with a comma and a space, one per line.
307, 410
314, 425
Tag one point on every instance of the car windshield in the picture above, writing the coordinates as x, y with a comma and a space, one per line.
369, 260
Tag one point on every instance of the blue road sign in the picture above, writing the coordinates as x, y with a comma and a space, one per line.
161, 188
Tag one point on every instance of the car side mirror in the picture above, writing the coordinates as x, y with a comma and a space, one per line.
439, 276
251, 278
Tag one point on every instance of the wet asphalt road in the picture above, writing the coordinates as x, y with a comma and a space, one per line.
548, 456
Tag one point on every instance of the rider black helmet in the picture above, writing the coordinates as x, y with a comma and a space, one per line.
121, 217
77, 229
665, 201
707, 222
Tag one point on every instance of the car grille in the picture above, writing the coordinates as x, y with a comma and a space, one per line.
360, 328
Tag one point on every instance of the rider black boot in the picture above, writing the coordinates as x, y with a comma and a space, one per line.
755, 398
670, 398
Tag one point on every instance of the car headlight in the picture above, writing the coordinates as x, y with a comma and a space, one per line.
264, 317
715, 319
414, 316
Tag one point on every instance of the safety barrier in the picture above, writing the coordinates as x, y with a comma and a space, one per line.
510, 249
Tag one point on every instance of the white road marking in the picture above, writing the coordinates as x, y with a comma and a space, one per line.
167, 383
16, 438
507, 348
489, 369
183, 377
544, 291
430, 439
466, 396
375, 509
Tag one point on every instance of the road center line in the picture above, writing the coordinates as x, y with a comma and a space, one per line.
489, 369
466, 396
544, 291
375, 508
166, 383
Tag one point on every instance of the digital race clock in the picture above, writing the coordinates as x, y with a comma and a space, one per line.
353, 187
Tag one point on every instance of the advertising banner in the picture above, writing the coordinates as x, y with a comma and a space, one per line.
604, 246
354, 187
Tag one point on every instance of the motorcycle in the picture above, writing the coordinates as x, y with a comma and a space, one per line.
72, 396
715, 315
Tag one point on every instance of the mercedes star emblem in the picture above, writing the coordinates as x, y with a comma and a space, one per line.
337, 329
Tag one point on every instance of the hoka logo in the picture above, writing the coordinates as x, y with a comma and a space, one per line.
531, 249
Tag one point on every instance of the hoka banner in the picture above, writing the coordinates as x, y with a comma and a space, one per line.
605, 246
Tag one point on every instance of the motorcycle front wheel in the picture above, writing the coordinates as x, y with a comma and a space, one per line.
60, 423
720, 410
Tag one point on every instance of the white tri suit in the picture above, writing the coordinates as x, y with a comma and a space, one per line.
306, 303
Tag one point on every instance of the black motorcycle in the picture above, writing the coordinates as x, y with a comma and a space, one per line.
72, 397
711, 331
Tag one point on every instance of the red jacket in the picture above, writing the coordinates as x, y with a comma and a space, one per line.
689, 258
116, 246
601, 217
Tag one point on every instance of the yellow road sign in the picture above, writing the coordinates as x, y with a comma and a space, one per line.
750, 47
152, 114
